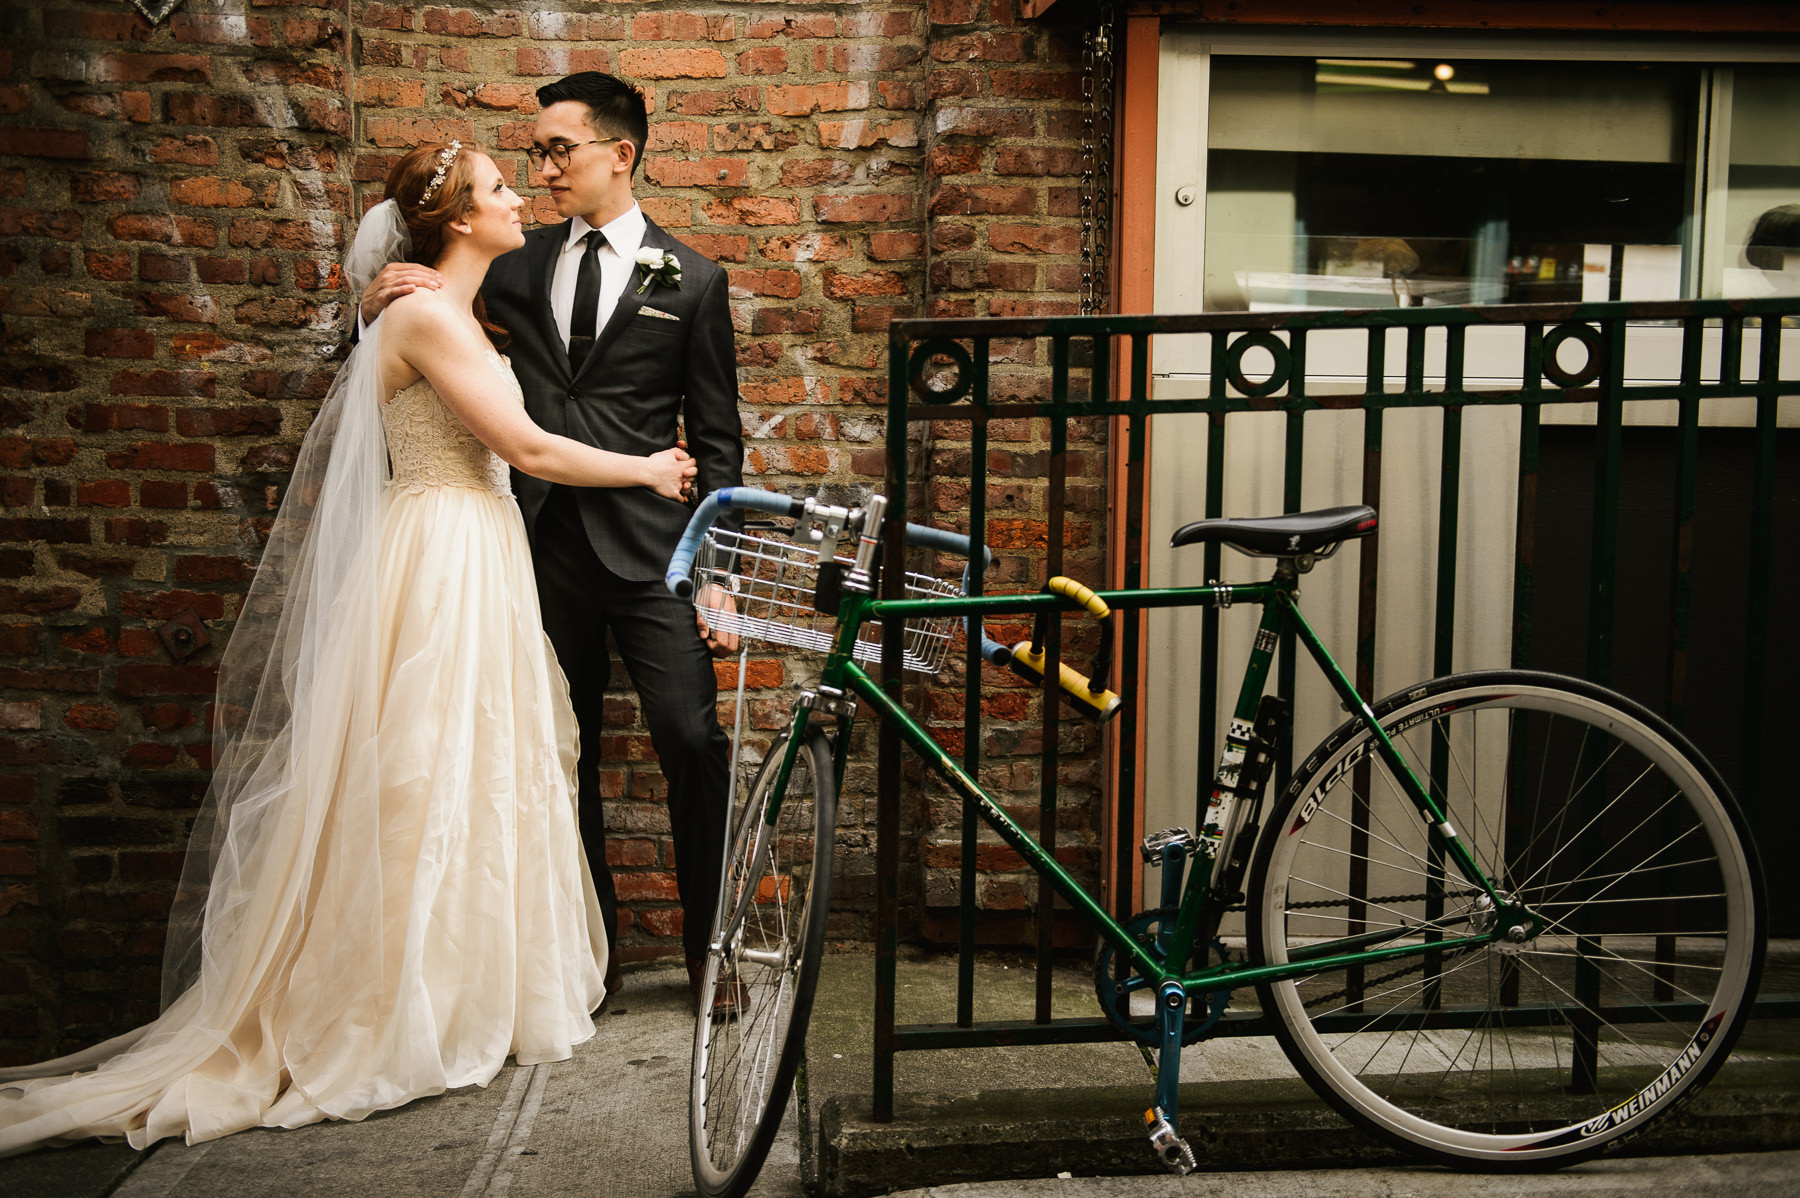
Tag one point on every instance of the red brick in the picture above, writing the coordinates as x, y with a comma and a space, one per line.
815, 172
111, 267
210, 192
461, 22
97, 26
805, 99
138, 226
700, 172
897, 246
784, 284
841, 285
984, 122
1034, 239
164, 382
983, 201
138, 67
33, 142
228, 422
984, 48
105, 492
753, 210
720, 247
220, 31
102, 187
663, 63
151, 455
1036, 85
953, 160
560, 60
164, 268
806, 247
860, 135
91, 717
63, 226
134, 531
100, 418
764, 60
864, 208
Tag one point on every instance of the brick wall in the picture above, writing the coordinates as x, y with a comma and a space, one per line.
174, 203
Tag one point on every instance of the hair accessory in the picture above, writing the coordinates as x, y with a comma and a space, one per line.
445, 157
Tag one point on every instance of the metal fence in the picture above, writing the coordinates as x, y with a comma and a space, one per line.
1534, 360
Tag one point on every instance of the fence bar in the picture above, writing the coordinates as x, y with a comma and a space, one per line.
1762, 551
971, 819
1051, 705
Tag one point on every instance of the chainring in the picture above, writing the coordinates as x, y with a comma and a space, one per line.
1115, 993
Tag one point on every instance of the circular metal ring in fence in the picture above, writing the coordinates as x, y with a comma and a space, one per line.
1589, 336
1277, 349
933, 379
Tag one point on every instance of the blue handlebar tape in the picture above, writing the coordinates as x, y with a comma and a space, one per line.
945, 541
679, 578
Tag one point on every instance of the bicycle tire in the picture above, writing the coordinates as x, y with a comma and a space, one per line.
1505, 1057
744, 1064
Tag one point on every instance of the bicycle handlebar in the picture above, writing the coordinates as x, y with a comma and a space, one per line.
679, 578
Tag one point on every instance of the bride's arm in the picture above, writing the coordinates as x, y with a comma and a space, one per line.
421, 332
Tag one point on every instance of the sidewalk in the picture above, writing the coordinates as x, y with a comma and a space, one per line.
613, 1120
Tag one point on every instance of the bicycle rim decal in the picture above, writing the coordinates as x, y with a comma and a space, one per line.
1644, 1100
1310, 808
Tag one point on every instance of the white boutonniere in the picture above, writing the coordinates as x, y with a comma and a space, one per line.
658, 266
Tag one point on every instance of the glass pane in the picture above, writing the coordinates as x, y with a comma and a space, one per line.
1762, 222
1394, 183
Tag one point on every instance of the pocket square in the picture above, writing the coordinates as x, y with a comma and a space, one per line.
658, 313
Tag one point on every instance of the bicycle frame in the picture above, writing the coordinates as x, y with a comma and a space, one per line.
842, 678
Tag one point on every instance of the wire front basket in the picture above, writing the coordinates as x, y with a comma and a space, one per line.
774, 583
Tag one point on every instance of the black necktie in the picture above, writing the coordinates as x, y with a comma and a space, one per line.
584, 316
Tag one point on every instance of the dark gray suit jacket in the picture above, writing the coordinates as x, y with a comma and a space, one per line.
644, 372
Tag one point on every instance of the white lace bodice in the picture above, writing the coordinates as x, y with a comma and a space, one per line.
430, 447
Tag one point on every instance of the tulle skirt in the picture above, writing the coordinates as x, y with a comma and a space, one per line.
416, 906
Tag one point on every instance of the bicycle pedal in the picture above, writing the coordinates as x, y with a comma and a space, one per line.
1179, 838
1170, 1148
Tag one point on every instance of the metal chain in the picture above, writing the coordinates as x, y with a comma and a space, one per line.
1096, 159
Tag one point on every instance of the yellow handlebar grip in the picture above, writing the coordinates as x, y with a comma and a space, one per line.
1099, 706
1069, 589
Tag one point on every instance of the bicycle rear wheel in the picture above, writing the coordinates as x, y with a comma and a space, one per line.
1591, 812
744, 1063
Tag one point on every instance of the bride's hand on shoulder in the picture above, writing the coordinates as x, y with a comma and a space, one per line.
393, 281
671, 472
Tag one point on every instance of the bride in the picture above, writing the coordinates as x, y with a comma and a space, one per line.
385, 895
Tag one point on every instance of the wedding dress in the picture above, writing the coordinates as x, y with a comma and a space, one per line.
395, 898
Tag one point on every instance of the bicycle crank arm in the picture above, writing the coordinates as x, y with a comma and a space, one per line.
1159, 1120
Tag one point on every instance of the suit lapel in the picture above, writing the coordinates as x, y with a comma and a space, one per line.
631, 300
541, 273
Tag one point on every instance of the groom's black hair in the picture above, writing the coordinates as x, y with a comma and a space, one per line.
615, 108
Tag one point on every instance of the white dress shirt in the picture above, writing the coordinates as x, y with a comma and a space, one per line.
617, 259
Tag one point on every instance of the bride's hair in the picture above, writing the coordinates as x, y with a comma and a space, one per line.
446, 199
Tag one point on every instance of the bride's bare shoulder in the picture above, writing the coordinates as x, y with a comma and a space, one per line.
427, 318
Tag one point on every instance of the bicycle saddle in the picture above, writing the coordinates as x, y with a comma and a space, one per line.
1282, 536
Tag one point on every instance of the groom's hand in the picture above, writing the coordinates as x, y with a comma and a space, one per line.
718, 641
395, 280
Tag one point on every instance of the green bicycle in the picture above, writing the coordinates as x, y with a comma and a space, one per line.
1506, 920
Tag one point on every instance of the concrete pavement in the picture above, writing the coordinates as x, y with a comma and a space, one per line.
613, 1120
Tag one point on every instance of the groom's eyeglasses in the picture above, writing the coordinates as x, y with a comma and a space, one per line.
558, 152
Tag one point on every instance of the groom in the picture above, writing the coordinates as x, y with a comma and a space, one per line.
621, 337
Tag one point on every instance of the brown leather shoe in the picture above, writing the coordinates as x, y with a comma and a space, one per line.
729, 995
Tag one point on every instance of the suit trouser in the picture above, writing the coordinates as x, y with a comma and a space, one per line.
673, 673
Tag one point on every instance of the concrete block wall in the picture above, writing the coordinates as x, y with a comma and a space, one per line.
175, 201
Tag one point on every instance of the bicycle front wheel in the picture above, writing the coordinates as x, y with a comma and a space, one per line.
744, 1060
1515, 1053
